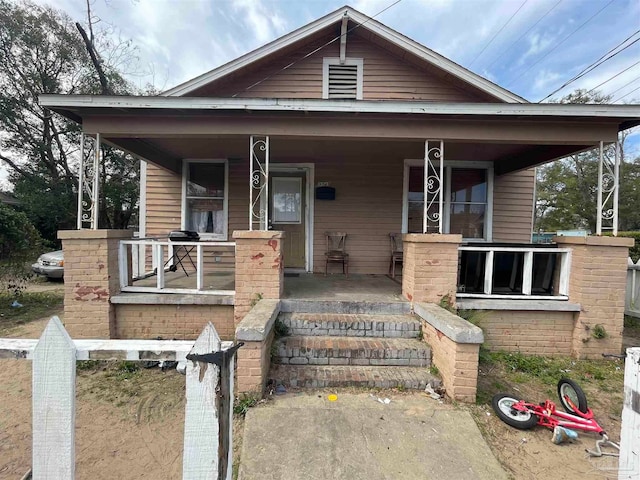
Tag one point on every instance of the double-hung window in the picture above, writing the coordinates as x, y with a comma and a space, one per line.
204, 198
467, 196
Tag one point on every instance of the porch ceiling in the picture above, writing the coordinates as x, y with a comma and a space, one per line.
507, 157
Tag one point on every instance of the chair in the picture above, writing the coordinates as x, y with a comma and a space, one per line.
336, 251
397, 254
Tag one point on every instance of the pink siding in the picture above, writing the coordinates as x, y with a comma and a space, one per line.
513, 206
385, 76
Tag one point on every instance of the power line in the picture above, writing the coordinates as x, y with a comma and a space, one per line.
498, 32
560, 43
318, 49
596, 64
523, 35
614, 76
626, 95
625, 85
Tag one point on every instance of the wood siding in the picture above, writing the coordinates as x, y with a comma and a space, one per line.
385, 76
164, 198
513, 206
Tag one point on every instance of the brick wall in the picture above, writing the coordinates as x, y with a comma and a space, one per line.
597, 283
430, 269
254, 361
528, 332
182, 322
259, 269
91, 278
456, 362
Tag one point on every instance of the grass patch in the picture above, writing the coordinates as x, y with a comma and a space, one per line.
125, 370
244, 402
34, 306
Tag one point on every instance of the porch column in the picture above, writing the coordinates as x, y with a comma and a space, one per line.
608, 188
430, 269
597, 282
91, 278
259, 269
89, 183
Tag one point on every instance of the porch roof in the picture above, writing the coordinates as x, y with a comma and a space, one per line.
534, 133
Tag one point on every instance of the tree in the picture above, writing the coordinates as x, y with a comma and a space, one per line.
42, 52
567, 189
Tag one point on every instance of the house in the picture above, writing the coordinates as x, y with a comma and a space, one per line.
347, 125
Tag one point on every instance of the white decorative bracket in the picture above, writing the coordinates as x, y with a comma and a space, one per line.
259, 183
433, 186
608, 188
88, 182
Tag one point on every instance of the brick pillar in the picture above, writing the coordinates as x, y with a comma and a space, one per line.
259, 269
91, 278
430, 267
597, 283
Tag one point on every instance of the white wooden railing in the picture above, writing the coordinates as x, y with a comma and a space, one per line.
154, 257
632, 298
207, 450
559, 271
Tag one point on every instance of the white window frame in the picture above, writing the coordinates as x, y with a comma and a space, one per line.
448, 165
358, 62
225, 202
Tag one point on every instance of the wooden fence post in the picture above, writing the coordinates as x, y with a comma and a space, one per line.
629, 463
200, 459
54, 404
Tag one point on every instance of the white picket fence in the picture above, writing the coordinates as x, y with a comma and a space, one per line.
629, 462
632, 299
207, 453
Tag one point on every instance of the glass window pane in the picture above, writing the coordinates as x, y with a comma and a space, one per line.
467, 219
205, 180
507, 273
287, 200
205, 216
544, 265
469, 185
471, 272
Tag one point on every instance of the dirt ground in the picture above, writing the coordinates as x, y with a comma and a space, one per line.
130, 425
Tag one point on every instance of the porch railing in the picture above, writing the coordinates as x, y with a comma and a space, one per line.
176, 266
632, 303
514, 272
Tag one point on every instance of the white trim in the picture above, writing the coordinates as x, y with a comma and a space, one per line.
358, 62
124, 103
225, 201
366, 23
309, 168
449, 165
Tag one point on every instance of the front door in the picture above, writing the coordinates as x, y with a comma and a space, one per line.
287, 213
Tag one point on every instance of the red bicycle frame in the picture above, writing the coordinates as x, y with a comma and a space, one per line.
547, 413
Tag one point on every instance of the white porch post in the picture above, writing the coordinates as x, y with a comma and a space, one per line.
259, 182
433, 186
608, 190
95, 197
88, 184
80, 182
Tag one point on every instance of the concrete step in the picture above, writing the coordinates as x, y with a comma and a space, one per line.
325, 350
351, 325
318, 376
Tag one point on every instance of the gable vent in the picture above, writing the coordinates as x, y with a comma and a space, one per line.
343, 81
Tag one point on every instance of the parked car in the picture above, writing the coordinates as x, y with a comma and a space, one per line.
51, 265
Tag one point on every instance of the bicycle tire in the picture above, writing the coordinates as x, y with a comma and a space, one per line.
501, 404
576, 397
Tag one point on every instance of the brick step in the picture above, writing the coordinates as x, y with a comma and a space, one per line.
323, 350
351, 325
320, 376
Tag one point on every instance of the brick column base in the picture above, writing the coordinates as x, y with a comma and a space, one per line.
91, 278
597, 282
259, 269
430, 268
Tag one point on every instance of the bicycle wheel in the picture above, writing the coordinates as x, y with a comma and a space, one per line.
572, 397
502, 404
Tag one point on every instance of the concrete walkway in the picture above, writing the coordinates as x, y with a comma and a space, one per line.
306, 436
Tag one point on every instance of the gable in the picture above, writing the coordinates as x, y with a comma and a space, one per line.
385, 76
398, 67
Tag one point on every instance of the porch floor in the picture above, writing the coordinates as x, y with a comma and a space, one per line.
309, 286
221, 280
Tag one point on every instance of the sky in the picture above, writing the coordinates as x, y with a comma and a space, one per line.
531, 47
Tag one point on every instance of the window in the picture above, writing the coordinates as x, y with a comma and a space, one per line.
342, 80
205, 198
466, 206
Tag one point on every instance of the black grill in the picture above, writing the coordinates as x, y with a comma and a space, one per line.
184, 235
